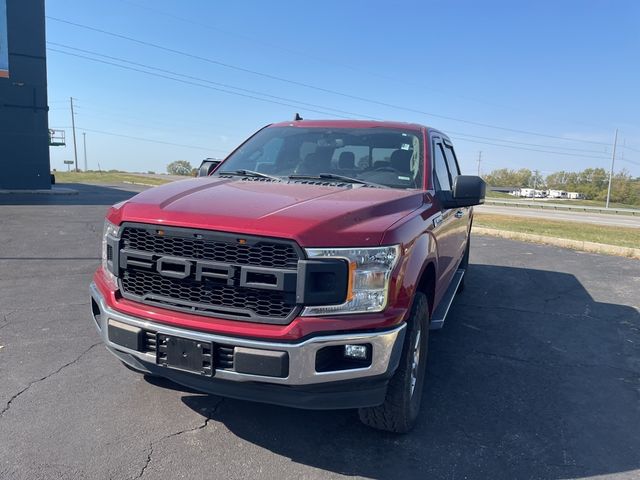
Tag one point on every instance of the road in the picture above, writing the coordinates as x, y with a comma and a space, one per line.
564, 215
536, 374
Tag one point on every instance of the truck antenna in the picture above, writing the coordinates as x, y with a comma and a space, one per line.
297, 118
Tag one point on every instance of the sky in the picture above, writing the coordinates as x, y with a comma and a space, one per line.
540, 85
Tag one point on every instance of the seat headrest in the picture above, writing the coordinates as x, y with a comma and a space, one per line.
312, 164
347, 161
401, 160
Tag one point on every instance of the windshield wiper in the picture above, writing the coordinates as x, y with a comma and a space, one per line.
250, 173
332, 176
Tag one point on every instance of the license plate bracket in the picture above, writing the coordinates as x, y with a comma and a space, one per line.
185, 354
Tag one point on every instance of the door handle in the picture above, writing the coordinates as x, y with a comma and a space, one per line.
459, 214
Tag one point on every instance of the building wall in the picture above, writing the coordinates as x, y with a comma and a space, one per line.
24, 134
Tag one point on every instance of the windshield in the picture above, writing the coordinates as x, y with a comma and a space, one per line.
383, 156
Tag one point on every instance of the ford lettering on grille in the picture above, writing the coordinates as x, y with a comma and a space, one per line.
209, 273
202, 270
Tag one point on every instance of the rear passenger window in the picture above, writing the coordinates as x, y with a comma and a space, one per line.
443, 179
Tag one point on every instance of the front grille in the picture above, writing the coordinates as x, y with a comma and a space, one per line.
205, 297
218, 292
194, 245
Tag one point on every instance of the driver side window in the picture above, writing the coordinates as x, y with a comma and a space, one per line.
442, 175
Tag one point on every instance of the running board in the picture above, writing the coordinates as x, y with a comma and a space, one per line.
440, 313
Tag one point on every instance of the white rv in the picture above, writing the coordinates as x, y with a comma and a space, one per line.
556, 194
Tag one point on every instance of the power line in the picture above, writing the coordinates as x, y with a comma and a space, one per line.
460, 136
314, 87
629, 161
152, 141
627, 147
109, 114
189, 82
158, 127
261, 42
199, 79
523, 143
141, 139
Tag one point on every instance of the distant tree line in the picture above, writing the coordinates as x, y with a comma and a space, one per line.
591, 182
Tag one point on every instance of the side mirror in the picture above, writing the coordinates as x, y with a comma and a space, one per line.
207, 167
467, 190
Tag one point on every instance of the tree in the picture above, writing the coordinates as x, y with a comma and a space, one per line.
505, 177
179, 167
593, 184
536, 180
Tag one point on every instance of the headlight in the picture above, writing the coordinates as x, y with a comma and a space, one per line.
369, 273
110, 231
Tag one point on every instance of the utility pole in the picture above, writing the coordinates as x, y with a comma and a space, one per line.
613, 159
535, 184
73, 126
479, 160
84, 143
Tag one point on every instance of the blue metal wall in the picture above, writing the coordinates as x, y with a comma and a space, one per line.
24, 134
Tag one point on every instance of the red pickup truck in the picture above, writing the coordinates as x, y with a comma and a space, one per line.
306, 270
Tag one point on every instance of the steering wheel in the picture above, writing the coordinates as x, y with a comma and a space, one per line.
385, 169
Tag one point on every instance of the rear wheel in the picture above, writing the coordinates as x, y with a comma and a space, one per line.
400, 409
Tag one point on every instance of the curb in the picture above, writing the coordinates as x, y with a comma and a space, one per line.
591, 247
140, 183
54, 191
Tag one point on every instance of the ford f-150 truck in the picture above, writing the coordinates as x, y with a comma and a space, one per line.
306, 270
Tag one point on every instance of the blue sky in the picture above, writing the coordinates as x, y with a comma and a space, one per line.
565, 69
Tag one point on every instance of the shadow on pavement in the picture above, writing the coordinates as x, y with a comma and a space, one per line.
530, 378
87, 195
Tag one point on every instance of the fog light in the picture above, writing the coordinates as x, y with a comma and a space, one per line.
358, 352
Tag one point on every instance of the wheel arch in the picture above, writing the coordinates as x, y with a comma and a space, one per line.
420, 268
427, 283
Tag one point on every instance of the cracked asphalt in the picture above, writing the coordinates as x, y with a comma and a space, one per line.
535, 375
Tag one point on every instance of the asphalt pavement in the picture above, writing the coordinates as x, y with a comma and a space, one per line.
536, 374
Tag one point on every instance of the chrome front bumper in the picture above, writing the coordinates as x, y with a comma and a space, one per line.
385, 351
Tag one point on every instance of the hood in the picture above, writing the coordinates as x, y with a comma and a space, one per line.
309, 214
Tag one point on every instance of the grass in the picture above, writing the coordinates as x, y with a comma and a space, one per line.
619, 236
492, 194
107, 177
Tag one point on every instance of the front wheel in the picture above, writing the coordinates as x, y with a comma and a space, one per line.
400, 409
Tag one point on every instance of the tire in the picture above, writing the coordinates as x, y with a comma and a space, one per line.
464, 264
400, 409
